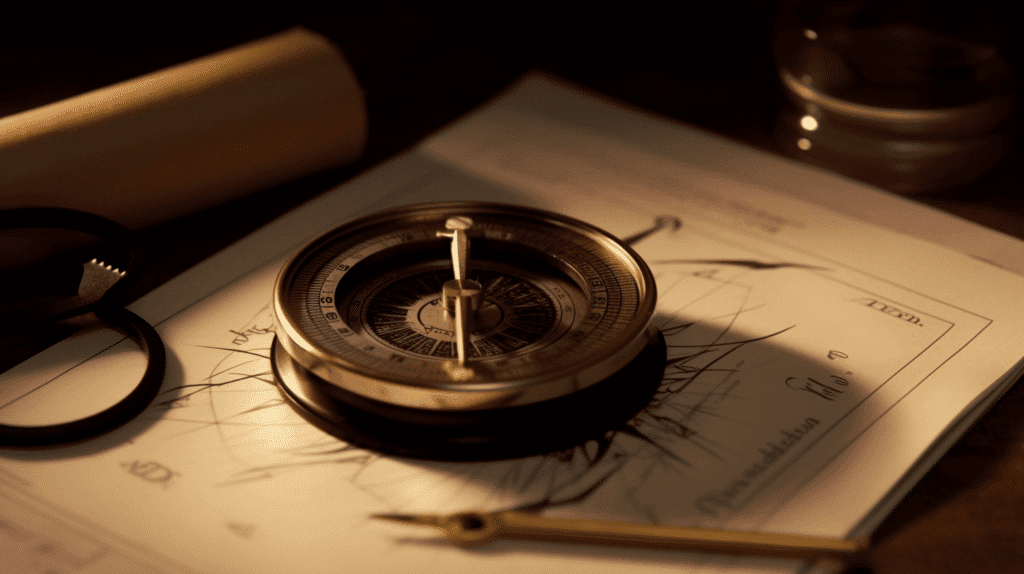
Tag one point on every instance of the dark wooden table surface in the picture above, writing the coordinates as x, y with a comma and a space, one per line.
707, 63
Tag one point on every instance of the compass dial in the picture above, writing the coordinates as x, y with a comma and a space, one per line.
405, 311
458, 311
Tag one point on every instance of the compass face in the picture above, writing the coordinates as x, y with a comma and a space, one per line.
550, 305
405, 311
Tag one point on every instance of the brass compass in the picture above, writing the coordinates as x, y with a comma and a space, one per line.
466, 330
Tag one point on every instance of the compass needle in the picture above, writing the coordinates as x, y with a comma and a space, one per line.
470, 529
461, 292
461, 327
389, 339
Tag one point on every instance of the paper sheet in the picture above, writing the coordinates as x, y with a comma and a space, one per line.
814, 359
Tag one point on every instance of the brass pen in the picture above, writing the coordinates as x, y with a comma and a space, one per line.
469, 529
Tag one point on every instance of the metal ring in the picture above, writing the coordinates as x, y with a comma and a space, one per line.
146, 337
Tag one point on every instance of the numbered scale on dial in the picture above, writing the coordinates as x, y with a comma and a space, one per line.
466, 331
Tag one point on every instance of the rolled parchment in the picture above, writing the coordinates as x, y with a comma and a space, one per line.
190, 136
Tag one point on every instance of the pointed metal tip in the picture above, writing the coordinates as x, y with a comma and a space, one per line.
393, 517
422, 519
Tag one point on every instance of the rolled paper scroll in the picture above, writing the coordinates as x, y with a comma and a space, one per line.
190, 136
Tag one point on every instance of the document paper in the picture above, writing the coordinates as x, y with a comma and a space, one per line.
820, 354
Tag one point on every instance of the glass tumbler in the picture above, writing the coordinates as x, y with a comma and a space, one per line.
910, 96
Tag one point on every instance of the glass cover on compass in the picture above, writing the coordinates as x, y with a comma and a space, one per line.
466, 330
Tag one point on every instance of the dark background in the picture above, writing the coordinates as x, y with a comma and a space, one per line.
422, 65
